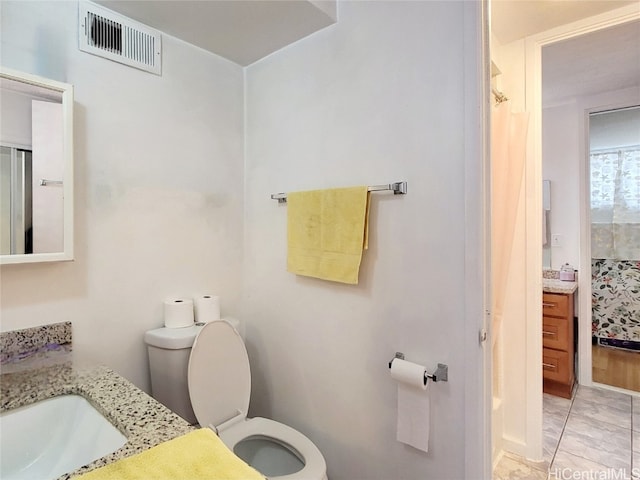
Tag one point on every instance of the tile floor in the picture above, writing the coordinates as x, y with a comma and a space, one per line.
596, 435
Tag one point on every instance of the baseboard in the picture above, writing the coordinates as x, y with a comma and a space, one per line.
514, 446
496, 459
622, 344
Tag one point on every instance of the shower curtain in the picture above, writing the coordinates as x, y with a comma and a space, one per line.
508, 152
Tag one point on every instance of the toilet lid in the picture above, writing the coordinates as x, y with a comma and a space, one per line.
219, 375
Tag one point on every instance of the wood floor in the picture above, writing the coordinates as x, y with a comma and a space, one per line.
616, 367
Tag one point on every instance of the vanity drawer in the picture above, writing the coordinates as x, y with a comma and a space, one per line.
555, 365
555, 333
555, 304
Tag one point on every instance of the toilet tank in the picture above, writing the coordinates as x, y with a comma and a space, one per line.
169, 350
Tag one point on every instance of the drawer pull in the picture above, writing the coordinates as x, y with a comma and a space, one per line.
549, 365
550, 334
546, 304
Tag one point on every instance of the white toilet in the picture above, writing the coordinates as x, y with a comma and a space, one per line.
219, 386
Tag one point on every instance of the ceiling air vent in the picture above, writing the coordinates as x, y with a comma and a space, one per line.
109, 35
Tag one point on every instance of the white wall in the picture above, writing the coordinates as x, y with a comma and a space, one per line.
159, 176
564, 143
560, 160
47, 164
15, 118
378, 97
389, 93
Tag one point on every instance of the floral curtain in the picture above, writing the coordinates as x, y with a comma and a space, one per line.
615, 203
615, 295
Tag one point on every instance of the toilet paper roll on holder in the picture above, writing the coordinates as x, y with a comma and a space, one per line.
440, 375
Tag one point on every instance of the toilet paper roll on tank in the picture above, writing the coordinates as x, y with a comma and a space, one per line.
178, 312
207, 308
183, 312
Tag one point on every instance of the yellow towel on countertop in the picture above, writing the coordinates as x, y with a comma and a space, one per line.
327, 232
198, 455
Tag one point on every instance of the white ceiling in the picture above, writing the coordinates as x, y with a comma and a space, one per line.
515, 19
242, 31
601, 61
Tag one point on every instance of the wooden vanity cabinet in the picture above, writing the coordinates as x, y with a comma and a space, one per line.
557, 344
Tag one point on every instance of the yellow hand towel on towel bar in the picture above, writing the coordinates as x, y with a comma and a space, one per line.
326, 233
198, 455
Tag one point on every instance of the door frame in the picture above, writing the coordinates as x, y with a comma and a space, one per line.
533, 62
476, 351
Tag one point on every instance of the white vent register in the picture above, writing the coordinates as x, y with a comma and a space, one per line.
106, 34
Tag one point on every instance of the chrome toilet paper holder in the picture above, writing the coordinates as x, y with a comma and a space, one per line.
440, 375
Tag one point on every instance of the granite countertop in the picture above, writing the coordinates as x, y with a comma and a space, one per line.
553, 285
143, 420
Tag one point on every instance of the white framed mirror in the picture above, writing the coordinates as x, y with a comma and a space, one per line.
36, 169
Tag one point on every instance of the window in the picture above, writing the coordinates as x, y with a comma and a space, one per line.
615, 203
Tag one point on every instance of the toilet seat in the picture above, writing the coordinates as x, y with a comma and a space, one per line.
219, 379
314, 465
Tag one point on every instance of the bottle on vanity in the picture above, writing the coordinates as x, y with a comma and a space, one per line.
567, 273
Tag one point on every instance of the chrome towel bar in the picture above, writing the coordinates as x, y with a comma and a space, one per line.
398, 188
44, 182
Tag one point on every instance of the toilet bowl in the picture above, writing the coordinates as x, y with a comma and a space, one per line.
219, 382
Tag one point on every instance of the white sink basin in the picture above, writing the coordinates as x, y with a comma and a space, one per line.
52, 437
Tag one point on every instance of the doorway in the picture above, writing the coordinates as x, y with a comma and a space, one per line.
614, 186
523, 424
